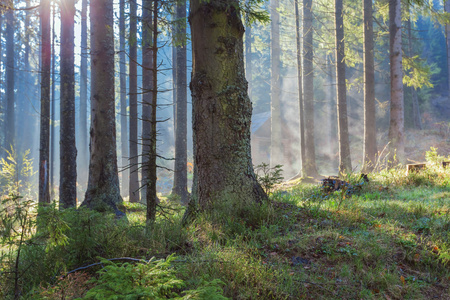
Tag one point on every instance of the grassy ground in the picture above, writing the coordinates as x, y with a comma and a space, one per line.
388, 239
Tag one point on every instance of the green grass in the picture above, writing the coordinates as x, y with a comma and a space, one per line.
389, 240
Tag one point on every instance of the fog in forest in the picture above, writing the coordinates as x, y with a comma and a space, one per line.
425, 66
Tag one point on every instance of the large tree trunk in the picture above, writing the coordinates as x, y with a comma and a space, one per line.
396, 126
10, 67
123, 102
221, 107
309, 168
345, 162
300, 88
44, 195
103, 192
67, 146
180, 174
276, 148
134, 179
370, 132
84, 147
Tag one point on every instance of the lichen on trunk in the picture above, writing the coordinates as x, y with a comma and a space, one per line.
221, 108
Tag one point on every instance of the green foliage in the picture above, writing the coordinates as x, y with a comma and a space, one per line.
268, 177
16, 172
16, 225
253, 11
155, 279
434, 158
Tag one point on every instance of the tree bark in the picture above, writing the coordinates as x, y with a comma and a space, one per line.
44, 195
53, 112
103, 192
447, 40
370, 132
151, 197
396, 126
309, 168
248, 57
300, 88
123, 102
345, 162
84, 147
221, 107
147, 87
10, 67
67, 146
134, 179
180, 172
276, 147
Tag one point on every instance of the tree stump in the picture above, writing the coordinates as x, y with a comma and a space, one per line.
414, 168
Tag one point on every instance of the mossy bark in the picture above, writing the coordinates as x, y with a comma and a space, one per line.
221, 107
103, 192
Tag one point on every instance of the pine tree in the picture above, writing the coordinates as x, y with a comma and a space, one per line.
44, 195
396, 126
103, 192
221, 107
134, 179
345, 163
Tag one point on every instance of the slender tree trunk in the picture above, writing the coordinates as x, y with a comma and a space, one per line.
447, 39
134, 179
10, 63
370, 131
151, 197
67, 146
2, 104
300, 88
221, 107
345, 162
53, 112
84, 147
147, 87
396, 126
276, 147
175, 85
180, 175
415, 101
103, 192
44, 195
24, 124
309, 168
123, 102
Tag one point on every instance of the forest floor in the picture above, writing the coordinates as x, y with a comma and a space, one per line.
386, 239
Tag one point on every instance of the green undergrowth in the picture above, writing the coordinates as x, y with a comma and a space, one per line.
387, 239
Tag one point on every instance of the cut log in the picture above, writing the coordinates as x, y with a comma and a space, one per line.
415, 167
